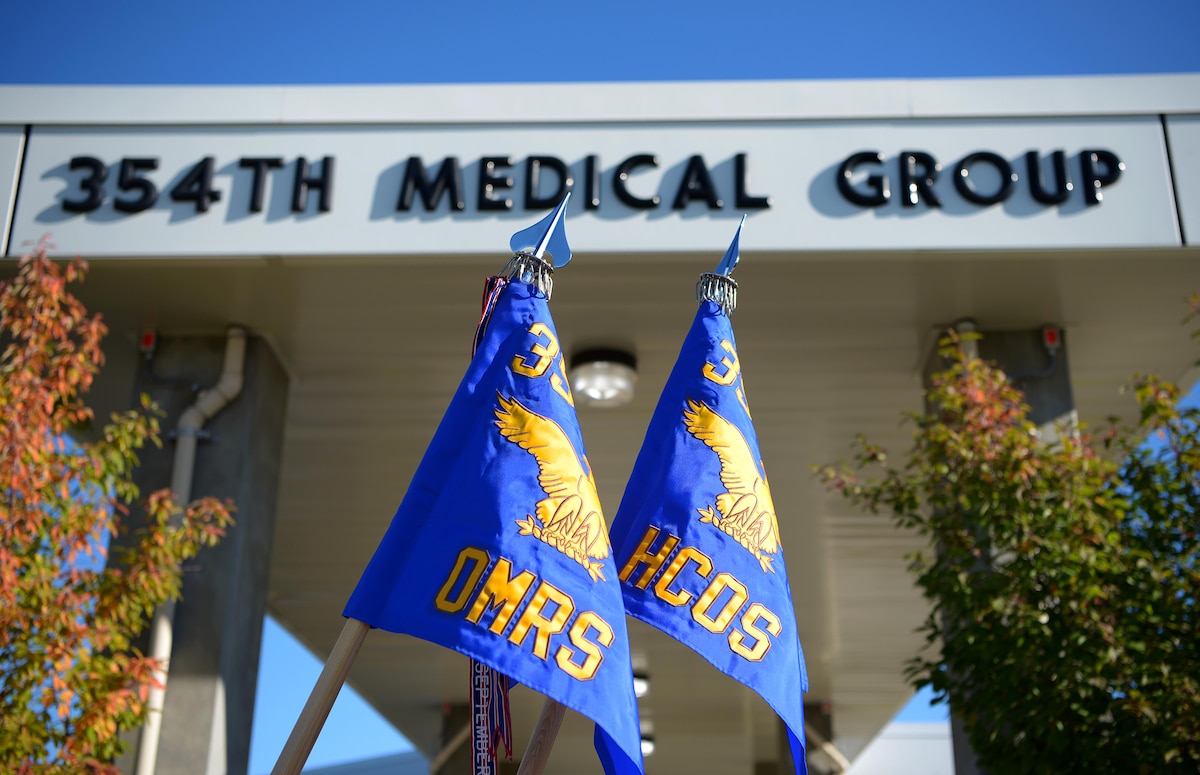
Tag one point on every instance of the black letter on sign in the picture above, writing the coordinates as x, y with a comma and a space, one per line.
696, 184
197, 187
968, 192
1062, 184
259, 179
92, 185
304, 181
918, 171
533, 179
1094, 180
591, 183
489, 181
622, 174
741, 199
878, 184
449, 177
128, 180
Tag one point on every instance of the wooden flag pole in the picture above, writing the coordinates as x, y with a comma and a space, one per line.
537, 753
316, 710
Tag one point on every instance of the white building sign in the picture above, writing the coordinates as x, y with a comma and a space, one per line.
806, 185
12, 143
1183, 133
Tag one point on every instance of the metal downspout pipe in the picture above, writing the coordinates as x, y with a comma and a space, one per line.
207, 404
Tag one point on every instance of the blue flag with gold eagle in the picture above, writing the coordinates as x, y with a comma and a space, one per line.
696, 537
499, 549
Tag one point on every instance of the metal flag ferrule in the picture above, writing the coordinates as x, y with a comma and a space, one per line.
540, 249
717, 286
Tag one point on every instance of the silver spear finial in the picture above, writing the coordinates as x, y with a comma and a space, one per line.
540, 249
717, 286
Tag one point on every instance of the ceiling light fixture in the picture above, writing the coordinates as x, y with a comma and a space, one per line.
603, 377
641, 684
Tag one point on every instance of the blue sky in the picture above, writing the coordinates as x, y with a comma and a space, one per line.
307, 42
303, 41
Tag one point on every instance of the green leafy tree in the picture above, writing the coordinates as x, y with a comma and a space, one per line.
70, 678
1062, 576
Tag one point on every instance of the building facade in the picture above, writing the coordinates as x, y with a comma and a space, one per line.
347, 231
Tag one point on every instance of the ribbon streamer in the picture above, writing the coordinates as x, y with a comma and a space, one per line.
491, 720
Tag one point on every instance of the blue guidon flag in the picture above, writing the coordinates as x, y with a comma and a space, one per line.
499, 549
696, 536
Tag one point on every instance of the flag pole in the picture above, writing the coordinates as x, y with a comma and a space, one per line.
316, 710
535, 242
541, 742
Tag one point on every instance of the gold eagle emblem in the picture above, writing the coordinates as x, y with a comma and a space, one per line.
745, 511
569, 517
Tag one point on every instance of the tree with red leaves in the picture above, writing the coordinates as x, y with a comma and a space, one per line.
1062, 575
70, 678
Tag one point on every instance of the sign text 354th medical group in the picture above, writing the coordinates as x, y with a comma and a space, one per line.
383, 190
861, 179
546, 180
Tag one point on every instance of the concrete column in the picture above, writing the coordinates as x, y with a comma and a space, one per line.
818, 718
218, 622
1043, 375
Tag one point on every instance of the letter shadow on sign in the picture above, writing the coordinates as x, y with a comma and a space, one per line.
72, 190
668, 189
276, 185
388, 189
825, 198
1074, 204
696, 207
611, 208
723, 184
638, 184
387, 193
279, 205
241, 188
1020, 203
183, 211
724, 176
986, 180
